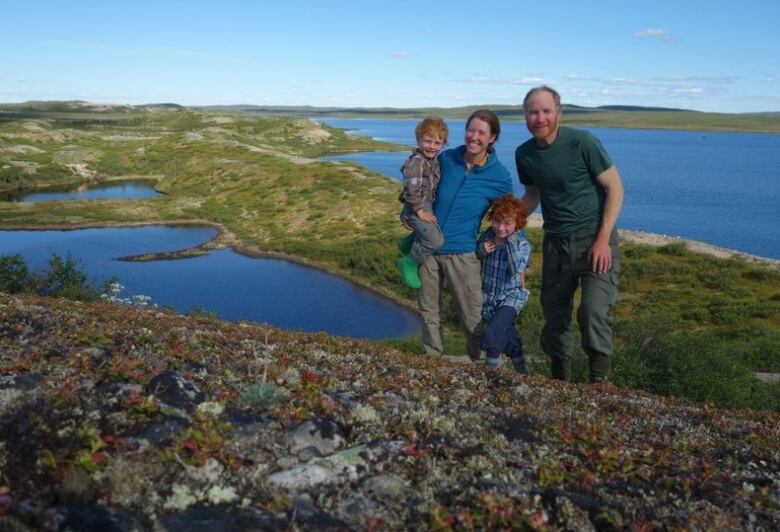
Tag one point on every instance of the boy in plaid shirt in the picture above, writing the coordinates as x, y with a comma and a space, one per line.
505, 254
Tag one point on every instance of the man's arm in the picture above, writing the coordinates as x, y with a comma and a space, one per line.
531, 198
600, 255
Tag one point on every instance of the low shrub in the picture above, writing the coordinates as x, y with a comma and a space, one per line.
699, 366
63, 277
14, 274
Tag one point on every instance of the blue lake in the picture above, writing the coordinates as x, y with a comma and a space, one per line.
233, 286
716, 187
106, 190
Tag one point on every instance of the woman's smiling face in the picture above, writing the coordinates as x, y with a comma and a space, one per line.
478, 138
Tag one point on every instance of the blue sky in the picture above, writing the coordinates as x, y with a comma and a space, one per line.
708, 56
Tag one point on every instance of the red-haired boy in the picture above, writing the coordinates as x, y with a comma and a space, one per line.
505, 254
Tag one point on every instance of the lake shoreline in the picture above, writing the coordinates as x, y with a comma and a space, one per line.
226, 239
658, 240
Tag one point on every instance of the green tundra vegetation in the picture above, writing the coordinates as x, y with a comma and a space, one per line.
688, 325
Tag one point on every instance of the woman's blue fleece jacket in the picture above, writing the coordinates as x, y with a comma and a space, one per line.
463, 197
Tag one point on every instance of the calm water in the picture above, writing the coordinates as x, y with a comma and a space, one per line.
721, 188
112, 190
227, 283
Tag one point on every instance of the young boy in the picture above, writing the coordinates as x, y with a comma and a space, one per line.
421, 177
505, 254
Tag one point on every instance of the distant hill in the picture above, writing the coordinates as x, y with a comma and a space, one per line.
464, 111
65, 106
163, 106
640, 108
628, 116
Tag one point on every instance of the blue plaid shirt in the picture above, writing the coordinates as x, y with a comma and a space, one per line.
501, 272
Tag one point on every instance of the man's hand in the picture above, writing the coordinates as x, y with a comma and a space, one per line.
600, 256
490, 246
426, 216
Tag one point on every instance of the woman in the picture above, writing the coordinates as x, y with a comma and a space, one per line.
471, 177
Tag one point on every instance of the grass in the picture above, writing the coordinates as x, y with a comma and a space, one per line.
687, 324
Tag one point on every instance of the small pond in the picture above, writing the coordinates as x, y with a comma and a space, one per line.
233, 286
139, 189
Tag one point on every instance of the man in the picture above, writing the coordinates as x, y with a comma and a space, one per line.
581, 195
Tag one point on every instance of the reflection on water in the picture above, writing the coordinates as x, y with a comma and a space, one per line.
111, 190
233, 286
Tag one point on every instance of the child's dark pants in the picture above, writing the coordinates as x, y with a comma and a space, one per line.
501, 337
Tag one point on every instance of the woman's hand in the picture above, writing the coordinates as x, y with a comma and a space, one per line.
490, 246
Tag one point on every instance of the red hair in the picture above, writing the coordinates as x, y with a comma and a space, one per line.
508, 207
433, 126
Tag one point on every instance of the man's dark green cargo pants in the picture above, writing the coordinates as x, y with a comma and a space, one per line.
565, 268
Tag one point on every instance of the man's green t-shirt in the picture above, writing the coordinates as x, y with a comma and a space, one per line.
565, 173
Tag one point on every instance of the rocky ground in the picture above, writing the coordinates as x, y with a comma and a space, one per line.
114, 418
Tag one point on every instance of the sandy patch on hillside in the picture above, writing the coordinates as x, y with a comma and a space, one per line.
220, 119
103, 107
23, 149
296, 159
27, 167
314, 136
123, 138
36, 125
76, 156
41, 135
81, 170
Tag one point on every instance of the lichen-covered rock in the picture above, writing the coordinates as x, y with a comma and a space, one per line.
303, 477
92, 518
162, 431
323, 434
219, 518
385, 488
173, 389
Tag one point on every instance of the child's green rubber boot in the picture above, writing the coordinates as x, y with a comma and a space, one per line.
408, 268
405, 243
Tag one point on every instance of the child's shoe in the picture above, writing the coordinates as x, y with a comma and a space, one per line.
493, 363
405, 243
519, 364
408, 268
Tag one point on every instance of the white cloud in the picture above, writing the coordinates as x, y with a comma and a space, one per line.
689, 79
479, 78
576, 77
622, 81
528, 80
655, 33
400, 55
486, 79
689, 90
